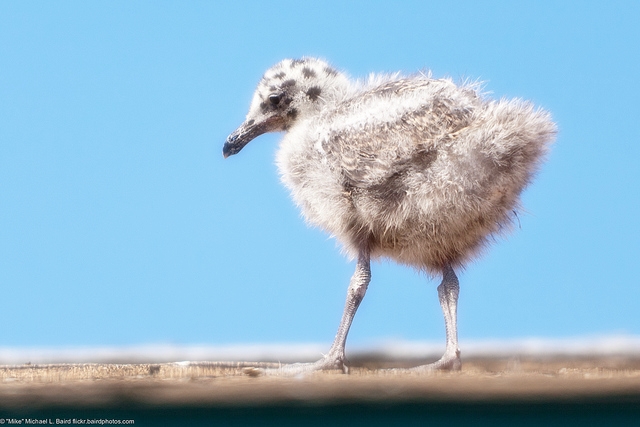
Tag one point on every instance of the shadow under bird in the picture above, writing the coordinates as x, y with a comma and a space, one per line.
411, 168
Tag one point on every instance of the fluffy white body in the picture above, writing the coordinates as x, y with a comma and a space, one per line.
416, 169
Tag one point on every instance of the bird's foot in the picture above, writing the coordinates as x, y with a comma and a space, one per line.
450, 361
327, 363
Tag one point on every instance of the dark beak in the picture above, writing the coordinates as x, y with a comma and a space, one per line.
247, 132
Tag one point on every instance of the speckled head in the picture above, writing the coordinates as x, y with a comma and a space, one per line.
289, 91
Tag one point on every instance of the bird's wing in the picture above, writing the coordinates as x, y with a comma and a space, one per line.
397, 126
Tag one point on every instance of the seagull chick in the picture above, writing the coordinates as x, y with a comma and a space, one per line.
411, 168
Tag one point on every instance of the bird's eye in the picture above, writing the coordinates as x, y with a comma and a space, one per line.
274, 99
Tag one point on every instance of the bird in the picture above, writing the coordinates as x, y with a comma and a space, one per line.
422, 171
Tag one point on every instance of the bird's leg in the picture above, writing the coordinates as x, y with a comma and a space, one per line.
448, 294
357, 289
335, 358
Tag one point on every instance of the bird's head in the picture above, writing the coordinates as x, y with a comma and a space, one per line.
288, 92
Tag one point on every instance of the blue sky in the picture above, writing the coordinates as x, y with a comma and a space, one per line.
121, 223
